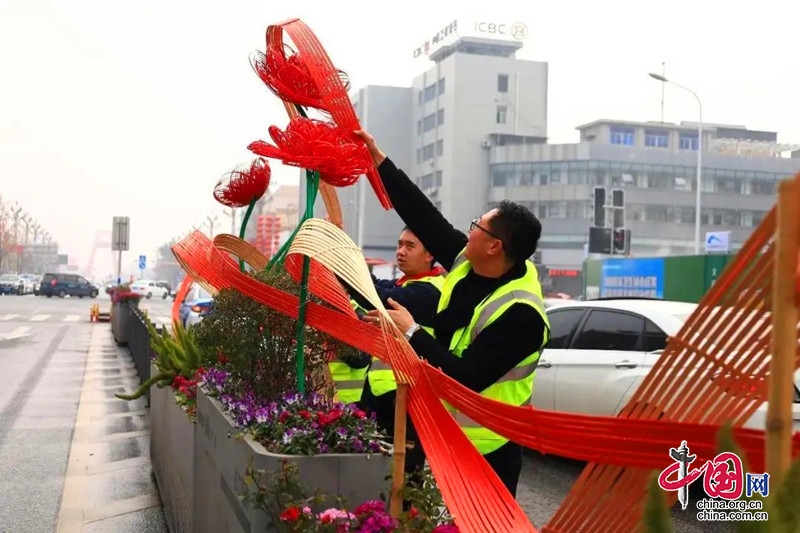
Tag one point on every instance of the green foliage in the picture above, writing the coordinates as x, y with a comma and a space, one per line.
176, 354
656, 518
258, 343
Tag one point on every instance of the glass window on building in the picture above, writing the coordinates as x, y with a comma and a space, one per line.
656, 213
683, 215
440, 117
441, 85
731, 217
439, 148
622, 135
502, 83
656, 138
502, 114
758, 186
438, 178
503, 175
687, 141
525, 174
635, 212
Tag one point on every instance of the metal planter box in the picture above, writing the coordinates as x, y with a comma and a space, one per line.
120, 315
220, 464
172, 455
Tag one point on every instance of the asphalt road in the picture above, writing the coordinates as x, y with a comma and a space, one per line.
54, 364
44, 344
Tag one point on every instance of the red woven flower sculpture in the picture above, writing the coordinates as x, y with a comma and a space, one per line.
318, 145
240, 187
287, 75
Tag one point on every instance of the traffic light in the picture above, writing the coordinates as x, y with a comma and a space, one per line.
622, 241
599, 207
618, 201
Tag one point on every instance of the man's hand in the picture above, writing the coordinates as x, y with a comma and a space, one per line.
377, 156
399, 315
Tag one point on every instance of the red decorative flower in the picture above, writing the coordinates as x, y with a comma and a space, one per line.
318, 145
287, 75
240, 187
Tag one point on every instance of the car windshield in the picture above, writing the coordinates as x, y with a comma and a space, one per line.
8, 277
202, 294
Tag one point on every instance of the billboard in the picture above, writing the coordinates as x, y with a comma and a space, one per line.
641, 277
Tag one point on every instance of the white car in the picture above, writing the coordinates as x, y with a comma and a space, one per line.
601, 350
149, 289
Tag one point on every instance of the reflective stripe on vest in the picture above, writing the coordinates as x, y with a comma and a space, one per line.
349, 381
381, 376
516, 386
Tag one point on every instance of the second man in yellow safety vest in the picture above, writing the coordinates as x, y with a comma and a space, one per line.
418, 289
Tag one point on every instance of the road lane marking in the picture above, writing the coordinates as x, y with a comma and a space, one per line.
8, 317
72, 318
39, 318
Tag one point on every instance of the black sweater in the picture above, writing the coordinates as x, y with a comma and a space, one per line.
501, 345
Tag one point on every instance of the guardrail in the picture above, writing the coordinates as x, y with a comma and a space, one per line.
138, 338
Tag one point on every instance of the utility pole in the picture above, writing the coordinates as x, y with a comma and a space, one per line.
15, 216
663, 83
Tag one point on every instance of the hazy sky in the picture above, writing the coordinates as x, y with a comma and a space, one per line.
137, 108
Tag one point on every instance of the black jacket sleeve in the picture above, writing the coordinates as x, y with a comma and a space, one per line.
421, 299
500, 347
439, 237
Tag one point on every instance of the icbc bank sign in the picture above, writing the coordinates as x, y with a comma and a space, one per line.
517, 31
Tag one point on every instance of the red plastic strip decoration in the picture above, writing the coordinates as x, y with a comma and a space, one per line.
180, 296
471, 491
317, 145
241, 187
330, 94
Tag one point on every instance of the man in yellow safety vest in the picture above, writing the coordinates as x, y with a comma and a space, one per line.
490, 324
418, 290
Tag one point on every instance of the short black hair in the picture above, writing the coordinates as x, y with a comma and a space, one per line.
518, 228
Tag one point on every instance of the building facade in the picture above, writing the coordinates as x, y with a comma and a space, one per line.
440, 130
655, 163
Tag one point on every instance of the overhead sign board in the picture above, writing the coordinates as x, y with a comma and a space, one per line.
486, 28
718, 241
121, 234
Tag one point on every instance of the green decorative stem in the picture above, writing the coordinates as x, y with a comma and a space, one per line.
312, 186
244, 226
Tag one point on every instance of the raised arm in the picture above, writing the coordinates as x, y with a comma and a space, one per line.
439, 237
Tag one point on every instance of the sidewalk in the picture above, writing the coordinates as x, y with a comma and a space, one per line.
109, 486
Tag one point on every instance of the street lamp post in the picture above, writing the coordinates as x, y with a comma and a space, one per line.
698, 192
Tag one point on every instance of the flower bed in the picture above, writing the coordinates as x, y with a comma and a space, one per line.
300, 510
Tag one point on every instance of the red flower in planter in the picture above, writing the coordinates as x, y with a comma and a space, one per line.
287, 75
240, 187
291, 514
317, 145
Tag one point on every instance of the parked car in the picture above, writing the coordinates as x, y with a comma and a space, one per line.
11, 284
601, 350
148, 289
29, 283
61, 285
195, 306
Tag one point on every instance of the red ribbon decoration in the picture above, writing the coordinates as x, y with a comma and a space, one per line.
470, 488
328, 81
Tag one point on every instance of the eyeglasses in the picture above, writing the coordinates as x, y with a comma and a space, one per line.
474, 224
